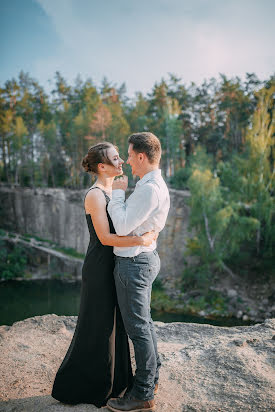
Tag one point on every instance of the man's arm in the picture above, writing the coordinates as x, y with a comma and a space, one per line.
127, 217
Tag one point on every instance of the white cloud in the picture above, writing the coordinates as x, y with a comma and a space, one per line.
139, 43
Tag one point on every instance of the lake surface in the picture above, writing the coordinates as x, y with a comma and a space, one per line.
26, 298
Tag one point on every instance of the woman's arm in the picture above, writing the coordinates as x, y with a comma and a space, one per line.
95, 205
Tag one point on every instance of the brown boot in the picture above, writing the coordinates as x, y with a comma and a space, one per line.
156, 388
130, 404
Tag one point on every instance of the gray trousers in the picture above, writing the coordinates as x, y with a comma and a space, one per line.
134, 277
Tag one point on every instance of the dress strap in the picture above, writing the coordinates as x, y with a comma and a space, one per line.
103, 191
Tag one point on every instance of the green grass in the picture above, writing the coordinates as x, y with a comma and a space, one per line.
161, 302
27, 275
157, 285
67, 251
37, 238
70, 252
58, 276
27, 238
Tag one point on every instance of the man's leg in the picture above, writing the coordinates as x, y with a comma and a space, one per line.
156, 261
134, 277
154, 338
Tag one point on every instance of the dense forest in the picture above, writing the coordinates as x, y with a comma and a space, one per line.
217, 140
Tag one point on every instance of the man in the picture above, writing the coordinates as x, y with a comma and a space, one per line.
136, 267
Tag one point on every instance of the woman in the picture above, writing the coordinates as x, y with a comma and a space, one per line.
97, 364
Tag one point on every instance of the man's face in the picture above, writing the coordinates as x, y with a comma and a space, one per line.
133, 160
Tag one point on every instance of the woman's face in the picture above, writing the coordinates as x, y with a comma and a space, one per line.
113, 156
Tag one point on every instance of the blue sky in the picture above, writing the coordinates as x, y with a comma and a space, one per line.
136, 41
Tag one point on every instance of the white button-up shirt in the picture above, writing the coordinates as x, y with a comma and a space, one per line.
145, 209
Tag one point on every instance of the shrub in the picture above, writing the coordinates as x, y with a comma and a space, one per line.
180, 178
13, 261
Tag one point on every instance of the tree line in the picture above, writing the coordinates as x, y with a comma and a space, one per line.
217, 140
44, 136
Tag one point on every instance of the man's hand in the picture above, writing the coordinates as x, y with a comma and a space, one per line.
148, 237
121, 183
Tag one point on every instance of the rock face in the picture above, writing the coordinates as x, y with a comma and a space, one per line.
58, 215
204, 368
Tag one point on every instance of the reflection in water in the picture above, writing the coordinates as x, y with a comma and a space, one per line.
23, 299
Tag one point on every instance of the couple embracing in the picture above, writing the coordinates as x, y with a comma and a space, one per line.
120, 266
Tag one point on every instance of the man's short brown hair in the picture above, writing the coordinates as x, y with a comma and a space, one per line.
148, 143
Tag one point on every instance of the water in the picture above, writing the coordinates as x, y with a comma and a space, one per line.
23, 299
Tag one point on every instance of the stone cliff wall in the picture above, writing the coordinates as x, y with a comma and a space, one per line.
58, 215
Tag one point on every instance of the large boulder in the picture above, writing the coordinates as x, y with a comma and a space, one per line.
204, 368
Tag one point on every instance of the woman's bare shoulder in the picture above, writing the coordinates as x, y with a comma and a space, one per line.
94, 199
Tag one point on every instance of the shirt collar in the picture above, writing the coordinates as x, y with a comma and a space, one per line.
153, 174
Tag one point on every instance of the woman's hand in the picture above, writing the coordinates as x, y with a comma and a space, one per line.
148, 237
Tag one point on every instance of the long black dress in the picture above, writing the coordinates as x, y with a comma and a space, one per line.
97, 364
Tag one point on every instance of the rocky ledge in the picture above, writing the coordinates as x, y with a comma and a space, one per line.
205, 368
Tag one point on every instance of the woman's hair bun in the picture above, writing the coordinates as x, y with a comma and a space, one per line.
85, 164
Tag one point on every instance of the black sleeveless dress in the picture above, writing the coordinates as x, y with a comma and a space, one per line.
97, 364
